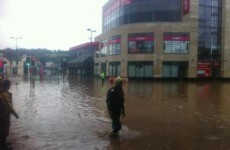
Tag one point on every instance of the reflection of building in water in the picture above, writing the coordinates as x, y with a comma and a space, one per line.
145, 88
175, 38
175, 89
208, 91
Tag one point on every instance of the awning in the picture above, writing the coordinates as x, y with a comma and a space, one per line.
80, 61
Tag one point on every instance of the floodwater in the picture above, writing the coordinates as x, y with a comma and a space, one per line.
70, 114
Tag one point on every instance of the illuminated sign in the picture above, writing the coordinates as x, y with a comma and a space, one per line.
1, 63
203, 69
186, 7
141, 38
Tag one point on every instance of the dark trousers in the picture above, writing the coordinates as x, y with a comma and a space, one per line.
116, 123
4, 131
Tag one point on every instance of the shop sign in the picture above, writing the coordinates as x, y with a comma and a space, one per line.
186, 7
203, 69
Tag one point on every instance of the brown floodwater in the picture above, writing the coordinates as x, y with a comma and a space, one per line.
71, 114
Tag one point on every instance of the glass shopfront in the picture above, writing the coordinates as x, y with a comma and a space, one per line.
210, 29
140, 69
173, 69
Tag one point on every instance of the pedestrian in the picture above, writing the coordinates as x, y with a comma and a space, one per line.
102, 76
1, 79
115, 104
6, 109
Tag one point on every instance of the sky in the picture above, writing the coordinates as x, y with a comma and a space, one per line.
50, 24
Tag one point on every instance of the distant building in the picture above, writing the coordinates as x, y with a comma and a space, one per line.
11, 65
164, 39
81, 59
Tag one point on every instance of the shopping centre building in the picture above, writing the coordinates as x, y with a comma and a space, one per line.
164, 39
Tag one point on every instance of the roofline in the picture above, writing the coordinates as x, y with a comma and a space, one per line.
88, 44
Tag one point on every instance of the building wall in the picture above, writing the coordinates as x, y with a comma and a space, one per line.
225, 54
10, 67
189, 24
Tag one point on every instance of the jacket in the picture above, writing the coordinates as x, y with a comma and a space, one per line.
6, 106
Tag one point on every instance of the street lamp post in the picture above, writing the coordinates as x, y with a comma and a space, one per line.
16, 49
91, 34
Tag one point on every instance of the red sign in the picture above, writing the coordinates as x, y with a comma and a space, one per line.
203, 69
176, 38
115, 41
1, 63
186, 7
141, 38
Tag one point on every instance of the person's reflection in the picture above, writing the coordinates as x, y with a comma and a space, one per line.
32, 83
41, 77
102, 82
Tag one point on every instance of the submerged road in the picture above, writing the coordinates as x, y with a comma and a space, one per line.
72, 115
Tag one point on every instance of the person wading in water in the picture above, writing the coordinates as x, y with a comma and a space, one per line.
115, 104
6, 109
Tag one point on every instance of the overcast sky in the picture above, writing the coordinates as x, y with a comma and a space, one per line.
51, 24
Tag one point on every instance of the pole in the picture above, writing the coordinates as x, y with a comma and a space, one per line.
91, 34
91, 37
28, 71
63, 74
16, 50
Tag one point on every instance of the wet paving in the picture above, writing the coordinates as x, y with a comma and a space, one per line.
71, 114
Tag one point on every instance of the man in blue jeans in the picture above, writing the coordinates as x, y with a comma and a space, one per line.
115, 103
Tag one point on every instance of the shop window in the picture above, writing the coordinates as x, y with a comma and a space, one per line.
176, 42
140, 69
139, 43
114, 69
115, 45
104, 48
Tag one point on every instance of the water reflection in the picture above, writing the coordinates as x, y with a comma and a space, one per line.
71, 114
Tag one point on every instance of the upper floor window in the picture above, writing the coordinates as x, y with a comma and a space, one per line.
176, 42
139, 43
119, 12
115, 45
97, 54
104, 48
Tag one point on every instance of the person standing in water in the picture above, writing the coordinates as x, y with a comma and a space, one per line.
6, 109
115, 104
102, 76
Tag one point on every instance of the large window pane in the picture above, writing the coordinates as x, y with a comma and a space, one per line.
104, 48
148, 71
140, 43
174, 71
140, 69
166, 71
176, 42
115, 45
141, 11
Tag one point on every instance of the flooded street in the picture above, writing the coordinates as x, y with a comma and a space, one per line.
72, 115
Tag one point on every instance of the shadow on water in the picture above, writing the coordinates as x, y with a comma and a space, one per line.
72, 114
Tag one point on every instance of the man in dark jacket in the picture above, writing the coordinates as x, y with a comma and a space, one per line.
115, 103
